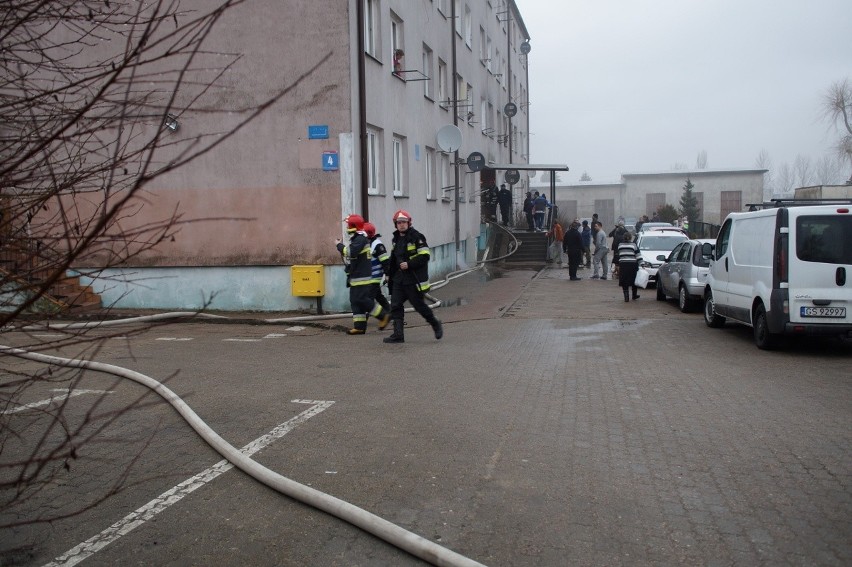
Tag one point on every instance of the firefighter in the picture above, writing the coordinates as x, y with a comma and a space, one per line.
356, 256
379, 257
408, 276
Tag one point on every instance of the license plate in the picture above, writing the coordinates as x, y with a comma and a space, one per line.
823, 312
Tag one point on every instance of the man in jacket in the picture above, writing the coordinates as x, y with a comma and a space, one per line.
586, 234
599, 240
504, 199
574, 247
408, 273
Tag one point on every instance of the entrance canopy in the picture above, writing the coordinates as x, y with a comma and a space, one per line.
552, 168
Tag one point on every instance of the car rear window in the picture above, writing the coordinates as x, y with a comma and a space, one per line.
699, 259
668, 242
826, 239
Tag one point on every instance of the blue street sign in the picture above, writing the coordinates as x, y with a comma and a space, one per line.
318, 132
330, 161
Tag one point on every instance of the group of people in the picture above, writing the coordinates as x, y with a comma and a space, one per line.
492, 198
535, 209
577, 243
406, 266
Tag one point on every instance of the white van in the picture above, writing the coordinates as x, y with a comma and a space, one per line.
783, 269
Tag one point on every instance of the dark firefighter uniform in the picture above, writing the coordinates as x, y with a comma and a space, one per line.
409, 247
359, 273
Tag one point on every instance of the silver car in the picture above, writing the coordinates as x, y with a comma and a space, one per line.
684, 274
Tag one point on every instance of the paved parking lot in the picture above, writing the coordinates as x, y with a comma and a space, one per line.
553, 425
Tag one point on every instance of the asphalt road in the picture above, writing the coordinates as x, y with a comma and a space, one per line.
553, 424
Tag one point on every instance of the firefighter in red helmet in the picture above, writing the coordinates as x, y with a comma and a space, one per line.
408, 272
356, 256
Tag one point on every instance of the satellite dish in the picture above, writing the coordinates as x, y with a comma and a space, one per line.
526, 47
449, 138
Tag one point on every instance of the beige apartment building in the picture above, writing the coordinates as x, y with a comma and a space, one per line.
358, 134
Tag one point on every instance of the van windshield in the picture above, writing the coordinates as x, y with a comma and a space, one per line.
826, 239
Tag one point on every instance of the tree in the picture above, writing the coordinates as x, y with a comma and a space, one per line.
837, 110
803, 171
764, 161
701, 160
689, 204
828, 171
667, 213
585, 177
92, 95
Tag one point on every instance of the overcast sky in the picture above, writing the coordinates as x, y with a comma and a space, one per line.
621, 86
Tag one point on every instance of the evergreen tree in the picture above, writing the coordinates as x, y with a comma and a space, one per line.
667, 213
689, 203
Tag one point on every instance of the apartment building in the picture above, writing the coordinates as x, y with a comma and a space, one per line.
372, 83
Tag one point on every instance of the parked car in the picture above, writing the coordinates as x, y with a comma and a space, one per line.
649, 225
784, 270
684, 273
652, 245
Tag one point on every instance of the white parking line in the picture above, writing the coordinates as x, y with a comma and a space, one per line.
243, 340
65, 395
173, 339
141, 515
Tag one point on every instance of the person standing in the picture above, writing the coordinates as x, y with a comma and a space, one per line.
557, 234
409, 277
617, 234
628, 265
504, 199
586, 235
379, 258
573, 244
540, 206
356, 256
599, 259
528, 211
489, 201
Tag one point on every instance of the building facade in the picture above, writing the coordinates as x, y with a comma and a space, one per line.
373, 82
718, 192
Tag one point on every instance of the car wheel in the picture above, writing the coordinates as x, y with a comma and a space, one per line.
710, 316
683, 300
762, 337
661, 293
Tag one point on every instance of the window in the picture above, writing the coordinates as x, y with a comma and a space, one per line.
483, 114
458, 16
488, 54
446, 184
442, 6
397, 43
461, 93
442, 83
826, 239
398, 166
427, 71
430, 173
653, 201
468, 26
723, 239
496, 65
374, 151
371, 27
483, 45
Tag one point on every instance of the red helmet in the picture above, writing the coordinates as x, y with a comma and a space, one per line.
401, 215
370, 229
354, 223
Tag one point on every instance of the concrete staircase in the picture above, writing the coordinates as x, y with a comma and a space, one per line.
532, 247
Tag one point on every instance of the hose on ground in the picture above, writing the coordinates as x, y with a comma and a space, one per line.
403, 539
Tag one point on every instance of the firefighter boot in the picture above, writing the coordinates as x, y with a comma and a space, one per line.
438, 328
398, 335
383, 321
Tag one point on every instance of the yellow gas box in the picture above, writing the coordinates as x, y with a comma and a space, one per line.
308, 281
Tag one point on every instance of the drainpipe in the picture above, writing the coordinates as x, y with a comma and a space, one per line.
509, 73
362, 111
453, 16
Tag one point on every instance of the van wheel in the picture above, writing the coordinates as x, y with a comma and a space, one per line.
762, 337
683, 300
710, 316
661, 293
